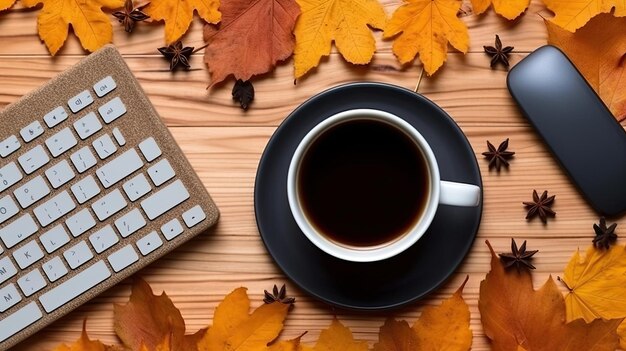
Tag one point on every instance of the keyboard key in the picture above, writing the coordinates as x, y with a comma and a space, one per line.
121, 141
103, 239
137, 187
149, 243
31, 282
109, 205
112, 110
119, 168
54, 239
87, 126
80, 101
165, 199
28, 254
7, 269
83, 159
161, 172
104, 146
130, 223
80, 222
34, 159
9, 145
18, 230
193, 216
171, 229
19, 320
54, 208
31, 131
9, 175
9, 296
85, 189
55, 116
8, 208
61, 142
104, 86
75, 286
31, 192
60, 174
123, 258
54, 269
78, 255
150, 149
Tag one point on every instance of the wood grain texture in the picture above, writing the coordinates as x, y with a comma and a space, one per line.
224, 145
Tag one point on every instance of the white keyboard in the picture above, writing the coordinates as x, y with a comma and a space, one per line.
92, 188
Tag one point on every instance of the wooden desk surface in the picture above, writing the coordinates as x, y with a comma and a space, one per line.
224, 145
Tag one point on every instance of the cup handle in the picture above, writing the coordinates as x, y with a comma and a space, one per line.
459, 194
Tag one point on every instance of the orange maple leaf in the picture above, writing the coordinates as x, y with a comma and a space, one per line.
148, 319
178, 14
251, 38
516, 317
234, 329
6, 4
572, 15
338, 337
91, 25
426, 27
84, 344
346, 22
597, 50
509, 9
396, 336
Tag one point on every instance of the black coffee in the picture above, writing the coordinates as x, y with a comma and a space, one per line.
363, 183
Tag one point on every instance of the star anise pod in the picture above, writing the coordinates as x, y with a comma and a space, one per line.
498, 157
498, 53
243, 92
605, 236
130, 15
520, 258
540, 206
278, 296
177, 54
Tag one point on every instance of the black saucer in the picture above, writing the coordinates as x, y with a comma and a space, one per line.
376, 285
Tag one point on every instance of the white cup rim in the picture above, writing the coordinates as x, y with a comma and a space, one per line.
375, 253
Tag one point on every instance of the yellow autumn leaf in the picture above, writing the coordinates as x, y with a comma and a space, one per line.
396, 336
178, 14
6, 4
571, 15
447, 324
597, 284
426, 27
286, 345
338, 337
344, 21
90, 24
233, 329
509, 9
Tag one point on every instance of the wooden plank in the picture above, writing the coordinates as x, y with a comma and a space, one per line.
198, 275
18, 32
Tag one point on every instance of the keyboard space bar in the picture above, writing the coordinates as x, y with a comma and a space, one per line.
19, 320
75, 286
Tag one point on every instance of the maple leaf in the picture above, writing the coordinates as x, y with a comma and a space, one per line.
338, 337
396, 336
251, 38
509, 9
344, 21
597, 284
597, 51
514, 315
148, 319
90, 24
6, 4
571, 15
233, 329
178, 14
84, 344
426, 27
447, 324
287, 345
